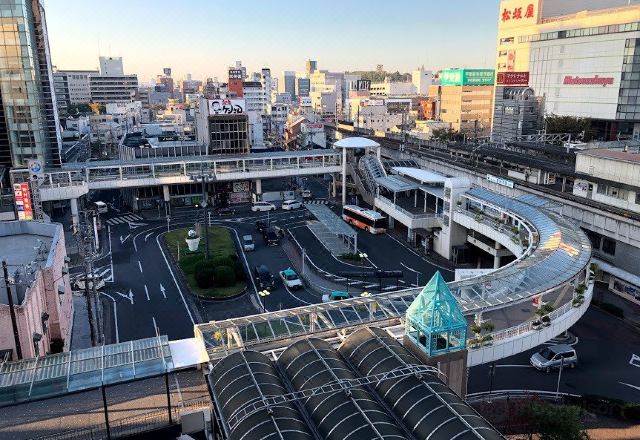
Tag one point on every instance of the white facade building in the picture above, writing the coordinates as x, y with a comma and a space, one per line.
422, 80
111, 66
389, 88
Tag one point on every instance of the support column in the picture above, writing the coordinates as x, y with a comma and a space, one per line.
411, 236
344, 176
415, 198
391, 222
334, 186
165, 193
258, 186
74, 213
496, 262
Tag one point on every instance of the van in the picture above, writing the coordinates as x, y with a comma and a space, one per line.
101, 207
289, 205
554, 356
247, 243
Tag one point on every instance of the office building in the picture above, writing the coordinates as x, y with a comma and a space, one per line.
466, 100
311, 67
71, 88
517, 112
111, 66
303, 86
582, 56
392, 88
222, 125
29, 123
288, 84
422, 80
40, 290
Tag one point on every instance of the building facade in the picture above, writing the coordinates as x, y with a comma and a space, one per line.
582, 57
289, 83
40, 288
517, 112
222, 126
29, 122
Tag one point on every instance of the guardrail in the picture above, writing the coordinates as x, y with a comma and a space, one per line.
516, 394
412, 215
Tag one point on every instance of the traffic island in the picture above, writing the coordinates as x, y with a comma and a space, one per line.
221, 276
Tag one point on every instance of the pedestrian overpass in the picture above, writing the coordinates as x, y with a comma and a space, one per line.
77, 179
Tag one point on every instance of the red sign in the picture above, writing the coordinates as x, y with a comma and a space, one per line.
22, 194
588, 81
513, 78
518, 13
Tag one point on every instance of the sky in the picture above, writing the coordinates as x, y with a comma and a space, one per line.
204, 37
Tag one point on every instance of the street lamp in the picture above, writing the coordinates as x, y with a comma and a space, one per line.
205, 178
263, 294
363, 257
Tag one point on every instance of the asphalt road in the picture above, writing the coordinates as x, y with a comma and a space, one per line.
605, 347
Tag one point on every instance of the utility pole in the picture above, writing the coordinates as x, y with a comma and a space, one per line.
86, 249
12, 312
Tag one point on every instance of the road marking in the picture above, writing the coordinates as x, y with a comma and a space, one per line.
629, 385
418, 255
112, 276
147, 236
514, 366
155, 327
370, 286
291, 293
371, 262
122, 240
146, 291
129, 296
163, 291
115, 315
133, 225
140, 266
635, 360
389, 287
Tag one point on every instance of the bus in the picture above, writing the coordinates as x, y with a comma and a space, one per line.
366, 219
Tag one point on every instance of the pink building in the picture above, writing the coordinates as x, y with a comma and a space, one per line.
39, 282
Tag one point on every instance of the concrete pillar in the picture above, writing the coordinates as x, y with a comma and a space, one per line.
391, 222
258, 186
411, 236
379, 152
165, 193
344, 176
415, 198
496, 262
334, 186
74, 213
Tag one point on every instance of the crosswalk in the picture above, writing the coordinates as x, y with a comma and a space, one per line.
317, 202
128, 218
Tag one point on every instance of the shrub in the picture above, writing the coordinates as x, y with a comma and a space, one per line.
613, 309
632, 411
238, 268
222, 261
224, 276
204, 276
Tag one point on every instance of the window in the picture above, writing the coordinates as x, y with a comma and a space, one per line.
638, 198
608, 246
602, 189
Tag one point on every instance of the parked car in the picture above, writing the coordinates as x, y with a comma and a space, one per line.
261, 226
225, 210
247, 243
271, 237
553, 356
291, 279
289, 205
264, 279
263, 206
336, 295
307, 194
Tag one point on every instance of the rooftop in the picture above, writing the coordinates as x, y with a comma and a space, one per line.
618, 155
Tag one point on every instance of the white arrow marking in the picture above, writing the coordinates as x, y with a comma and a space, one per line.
147, 236
147, 292
129, 297
136, 225
162, 290
122, 240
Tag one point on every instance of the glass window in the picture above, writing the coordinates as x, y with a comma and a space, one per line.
608, 246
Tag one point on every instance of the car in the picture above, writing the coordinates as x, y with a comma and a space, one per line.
291, 279
336, 295
247, 243
225, 210
261, 226
554, 356
264, 279
307, 194
263, 206
271, 237
289, 205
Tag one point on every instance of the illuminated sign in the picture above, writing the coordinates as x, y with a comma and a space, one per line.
22, 195
235, 74
513, 78
588, 81
467, 77
226, 106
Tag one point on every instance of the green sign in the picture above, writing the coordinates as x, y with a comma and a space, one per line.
467, 77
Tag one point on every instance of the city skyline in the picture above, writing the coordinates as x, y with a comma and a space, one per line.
345, 43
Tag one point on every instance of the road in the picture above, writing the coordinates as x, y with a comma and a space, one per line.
606, 348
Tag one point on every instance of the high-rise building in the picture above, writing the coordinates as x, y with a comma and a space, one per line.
582, 56
29, 123
289, 83
422, 80
311, 67
223, 126
72, 87
303, 87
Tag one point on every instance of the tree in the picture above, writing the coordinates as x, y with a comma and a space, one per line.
443, 134
556, 422
73, 109
579, 128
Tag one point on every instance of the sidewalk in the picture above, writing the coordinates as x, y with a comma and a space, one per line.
631, 310
80, 334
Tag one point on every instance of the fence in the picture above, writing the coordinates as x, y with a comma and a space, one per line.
150, 421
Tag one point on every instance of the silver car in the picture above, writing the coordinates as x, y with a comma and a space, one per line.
554, 356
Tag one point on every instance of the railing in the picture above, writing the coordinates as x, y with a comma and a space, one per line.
412, 215
516, 394
131, 425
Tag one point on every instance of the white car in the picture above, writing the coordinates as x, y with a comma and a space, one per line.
263, 206
291, 279
288, 205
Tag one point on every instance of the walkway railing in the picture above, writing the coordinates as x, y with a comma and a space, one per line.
414, 216
516, 394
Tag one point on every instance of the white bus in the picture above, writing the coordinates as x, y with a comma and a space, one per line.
366, 219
